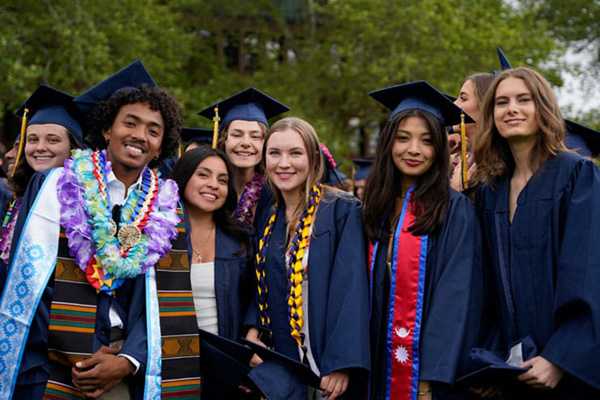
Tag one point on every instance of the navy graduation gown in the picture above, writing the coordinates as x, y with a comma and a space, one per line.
544, 270
451, 303
128, 302
338, 291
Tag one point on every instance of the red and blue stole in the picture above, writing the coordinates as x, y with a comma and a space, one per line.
409, 256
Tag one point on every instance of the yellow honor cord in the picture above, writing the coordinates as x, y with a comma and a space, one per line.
21, 141
463, 152
216, 120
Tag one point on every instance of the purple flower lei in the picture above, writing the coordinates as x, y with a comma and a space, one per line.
9, 230
160, 227
243, 212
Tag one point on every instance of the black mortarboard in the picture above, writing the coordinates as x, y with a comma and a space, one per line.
419, 95
198, 135
363, 167
301, 370
492, 369
47, 105
129, 78
248, 105
584, 140
223, 365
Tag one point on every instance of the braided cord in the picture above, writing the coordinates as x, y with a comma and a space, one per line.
295, 269
261, 257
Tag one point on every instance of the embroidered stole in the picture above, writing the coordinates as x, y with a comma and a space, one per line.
32, 266
178, 324
409, 255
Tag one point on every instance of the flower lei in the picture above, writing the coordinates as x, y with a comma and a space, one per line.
8, 228
86, 216
248, 199
294, 269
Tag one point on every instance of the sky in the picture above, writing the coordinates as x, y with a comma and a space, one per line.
580, 93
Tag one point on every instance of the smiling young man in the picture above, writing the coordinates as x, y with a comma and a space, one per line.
81, 302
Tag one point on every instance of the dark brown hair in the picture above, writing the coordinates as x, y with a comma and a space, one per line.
431, 195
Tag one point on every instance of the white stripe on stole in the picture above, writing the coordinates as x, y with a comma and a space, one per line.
153, 369
31, 268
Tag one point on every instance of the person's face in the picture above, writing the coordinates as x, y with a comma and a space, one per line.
467, 100
135, 137
46, 146
207, 188
244, 143
359, 188
11, 157
287, 161
192, 146
514, 110
413, 152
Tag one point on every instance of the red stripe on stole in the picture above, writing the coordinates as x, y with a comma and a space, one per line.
405, 308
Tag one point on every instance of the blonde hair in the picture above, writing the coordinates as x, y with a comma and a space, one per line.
315, 158
492, 152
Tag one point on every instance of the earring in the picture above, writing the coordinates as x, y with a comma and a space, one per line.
156, 158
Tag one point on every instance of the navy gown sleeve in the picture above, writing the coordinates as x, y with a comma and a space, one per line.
575, 343
341, 321
453, 295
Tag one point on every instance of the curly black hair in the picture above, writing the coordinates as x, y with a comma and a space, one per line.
101, 118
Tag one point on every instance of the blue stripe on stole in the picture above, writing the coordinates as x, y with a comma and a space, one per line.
152, 389
418, 317
43, 282
390, 327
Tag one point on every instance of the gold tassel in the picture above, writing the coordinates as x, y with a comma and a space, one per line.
21, 141
216, 120
463, 152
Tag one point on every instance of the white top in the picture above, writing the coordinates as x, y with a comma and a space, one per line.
116, 191
205, 301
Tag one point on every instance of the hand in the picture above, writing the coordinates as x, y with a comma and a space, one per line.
542, 375
456, 179
454, 140
334, 384
253, 335
487, 392
100, 373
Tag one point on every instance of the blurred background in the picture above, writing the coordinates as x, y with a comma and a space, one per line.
320, 57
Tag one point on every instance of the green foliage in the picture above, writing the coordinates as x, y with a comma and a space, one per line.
321, 57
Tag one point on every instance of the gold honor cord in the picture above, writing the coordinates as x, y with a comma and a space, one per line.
21, 141
463, 151
216, 120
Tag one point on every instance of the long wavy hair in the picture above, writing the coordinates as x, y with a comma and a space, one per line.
492, 152
432, 192
315, 159
183, 171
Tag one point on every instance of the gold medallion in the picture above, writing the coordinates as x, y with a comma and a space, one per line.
129, 235
113, 227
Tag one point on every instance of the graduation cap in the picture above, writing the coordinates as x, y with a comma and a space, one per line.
298, 369
419, 95
223, 365
362, 168
584, 140
47, 105
196, 135
492, 369
504, 64
248, 105
129, 78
